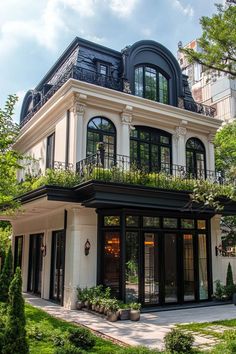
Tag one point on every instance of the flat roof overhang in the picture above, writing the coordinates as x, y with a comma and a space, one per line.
100, 194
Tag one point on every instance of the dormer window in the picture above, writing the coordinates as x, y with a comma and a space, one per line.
151, 84
103, 69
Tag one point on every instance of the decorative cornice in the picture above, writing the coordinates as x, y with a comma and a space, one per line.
180, 131
210, 138
78, 107
127, 115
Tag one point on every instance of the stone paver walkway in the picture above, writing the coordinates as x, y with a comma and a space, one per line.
149, 331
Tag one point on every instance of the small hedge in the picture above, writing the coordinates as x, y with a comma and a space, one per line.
81, 338
178, 342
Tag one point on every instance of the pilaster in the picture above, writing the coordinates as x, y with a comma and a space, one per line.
179, 158
126, 119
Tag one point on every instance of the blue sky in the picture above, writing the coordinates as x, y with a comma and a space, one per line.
34, 33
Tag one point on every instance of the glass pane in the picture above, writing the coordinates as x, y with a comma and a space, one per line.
165, 159
154, 158
144, 156
151, 221
93, 139
131, 266
163, 89
170, 223
103, 69
150, 84
188, 267
132, 220
111, 220
201, 224
170, 267
133, 151
202, 262
144, 135
164, 139
112, 261
151, 277
187, 223
138, 82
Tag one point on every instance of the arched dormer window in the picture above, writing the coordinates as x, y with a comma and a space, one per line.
150, 83
195, 158
99, 130
150, 149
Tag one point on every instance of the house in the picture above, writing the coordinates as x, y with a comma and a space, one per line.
127, 123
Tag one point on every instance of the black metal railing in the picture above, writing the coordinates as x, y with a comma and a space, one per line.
200, 108
59, 165
110, 82
121, 169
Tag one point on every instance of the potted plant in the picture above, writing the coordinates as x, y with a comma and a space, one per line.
81, 299
112, 313
135, 311
124, 311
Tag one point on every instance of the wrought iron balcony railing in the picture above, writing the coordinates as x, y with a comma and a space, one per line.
110, 82
119, 168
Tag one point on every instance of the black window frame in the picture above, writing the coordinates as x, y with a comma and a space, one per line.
18, 255
50, 150
159, 144
193, 171
101, 133
158, 71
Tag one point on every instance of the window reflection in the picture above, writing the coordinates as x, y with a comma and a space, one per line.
202, 264
132, 266
188, 267
151, 276
112, 261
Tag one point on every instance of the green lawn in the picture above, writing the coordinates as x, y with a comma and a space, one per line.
45, 332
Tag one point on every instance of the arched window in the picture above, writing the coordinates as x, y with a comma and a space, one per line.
99, 130
195, 158
150, 149
151, 83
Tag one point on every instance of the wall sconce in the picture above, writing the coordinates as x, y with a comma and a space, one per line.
43, 249
87, 247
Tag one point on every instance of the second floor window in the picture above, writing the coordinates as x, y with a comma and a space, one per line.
150, 83
101, 130
50, 151
195, 158
150, 149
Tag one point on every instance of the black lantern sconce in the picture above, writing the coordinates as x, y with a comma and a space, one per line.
87, 247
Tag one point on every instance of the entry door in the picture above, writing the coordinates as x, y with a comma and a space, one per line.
35, 264
57, 266
151, 268
170, 268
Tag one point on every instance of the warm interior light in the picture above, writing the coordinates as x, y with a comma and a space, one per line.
149, 243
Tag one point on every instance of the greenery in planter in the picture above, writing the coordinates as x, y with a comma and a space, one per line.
135, 306
178, 342
81, 338
6, 275
15, 333
113, 305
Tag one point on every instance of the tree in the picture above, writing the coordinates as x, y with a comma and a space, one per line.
6, 276
15, 333
5, 241
9, 158
218, 41
225, 150
229, 276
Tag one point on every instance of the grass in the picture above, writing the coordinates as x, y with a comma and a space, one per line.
45, 332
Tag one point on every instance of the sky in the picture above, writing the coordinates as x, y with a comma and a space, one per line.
34, 33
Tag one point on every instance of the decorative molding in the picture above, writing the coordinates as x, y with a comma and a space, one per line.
211, 137
126, 88
180, 131
180, 102
127, 115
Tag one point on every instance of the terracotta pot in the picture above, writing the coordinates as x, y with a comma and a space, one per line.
124, 314
135, 315
101, 309
87, 304
112, 316
97, 308
93, 307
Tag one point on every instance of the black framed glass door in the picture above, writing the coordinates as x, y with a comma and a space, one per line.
151, 268
35, 264
170, 268
57, 266
18, 251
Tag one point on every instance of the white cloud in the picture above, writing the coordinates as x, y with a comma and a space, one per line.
122, 8
186, 10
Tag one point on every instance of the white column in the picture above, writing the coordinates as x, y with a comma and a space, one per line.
78, 111
126, 120
180, 153
211, 153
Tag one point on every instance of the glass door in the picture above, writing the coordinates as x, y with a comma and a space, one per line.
170, 266
57, 266
188, 264
35, 264
151, 268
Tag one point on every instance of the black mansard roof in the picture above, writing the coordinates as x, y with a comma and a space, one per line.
81, 61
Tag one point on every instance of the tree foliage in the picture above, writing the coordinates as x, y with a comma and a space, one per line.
218, 41
225, 150
9, 158
15, 333
5, 240
6, 276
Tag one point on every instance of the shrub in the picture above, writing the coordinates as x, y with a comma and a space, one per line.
81, 338
6, 276
220, 290
179, 342
15, 333
229, 276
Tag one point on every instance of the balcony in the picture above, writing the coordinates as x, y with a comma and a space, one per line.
119, 169
117, 84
